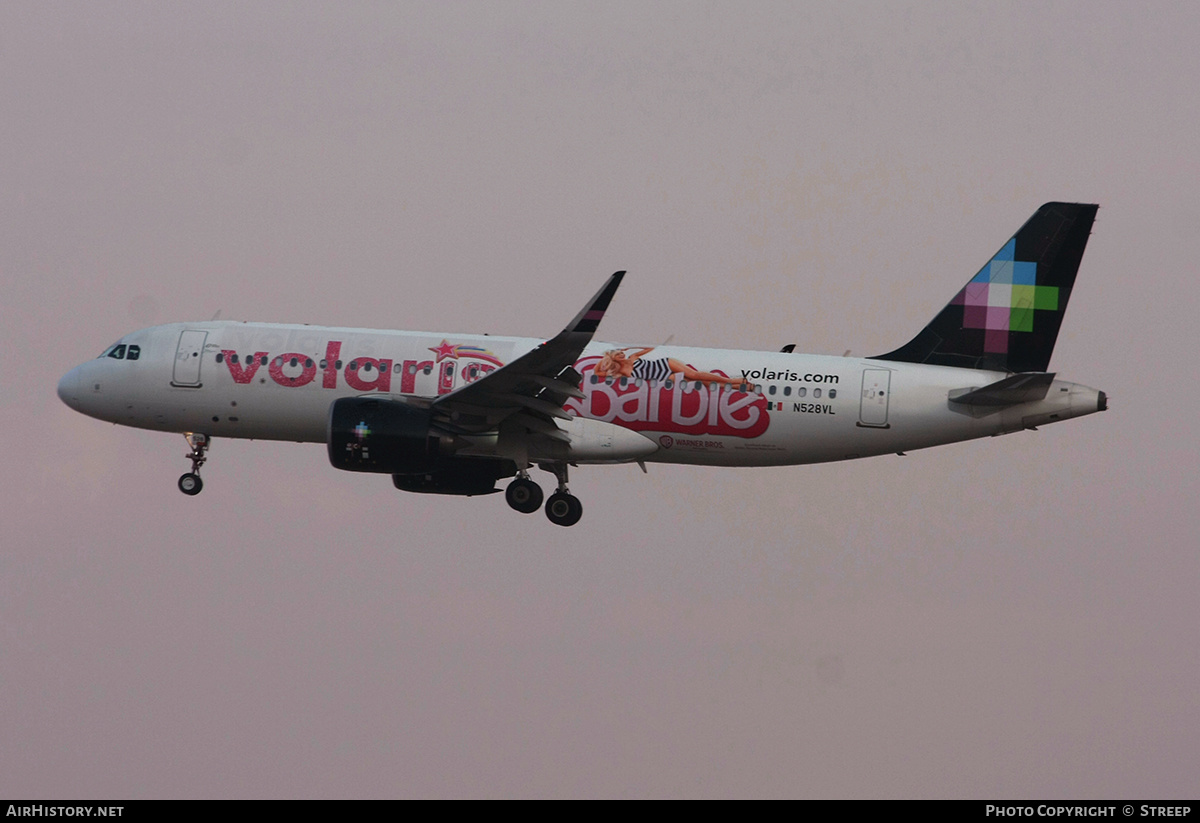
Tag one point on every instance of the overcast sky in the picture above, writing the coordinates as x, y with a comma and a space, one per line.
1009, 618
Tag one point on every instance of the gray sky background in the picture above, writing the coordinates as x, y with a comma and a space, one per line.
1009, 618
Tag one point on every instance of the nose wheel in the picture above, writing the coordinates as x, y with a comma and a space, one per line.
190, 483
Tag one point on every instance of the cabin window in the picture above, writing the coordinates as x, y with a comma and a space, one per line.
802, 392
308, 363
832, 393
397, 368
264, 360
669, 384
816, 392
220, 357
294, 361
771, 390
787, 391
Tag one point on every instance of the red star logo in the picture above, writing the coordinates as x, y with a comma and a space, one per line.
445, 351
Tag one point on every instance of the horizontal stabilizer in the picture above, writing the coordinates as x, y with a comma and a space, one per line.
1019, 388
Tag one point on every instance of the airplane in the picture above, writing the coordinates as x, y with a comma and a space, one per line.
453, 414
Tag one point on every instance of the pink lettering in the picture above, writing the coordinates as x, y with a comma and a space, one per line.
361, 373
408, 380
236, 371
446, 378
307, 374
332, 352
381, 369
700, 410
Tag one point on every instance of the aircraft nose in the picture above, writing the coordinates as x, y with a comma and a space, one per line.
68, 388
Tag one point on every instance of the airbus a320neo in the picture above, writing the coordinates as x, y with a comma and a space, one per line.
451, 413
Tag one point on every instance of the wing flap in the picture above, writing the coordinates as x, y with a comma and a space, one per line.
538, 425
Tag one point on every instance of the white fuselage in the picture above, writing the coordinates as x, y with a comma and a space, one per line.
274, 381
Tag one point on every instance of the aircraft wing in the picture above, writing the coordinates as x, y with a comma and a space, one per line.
529, 392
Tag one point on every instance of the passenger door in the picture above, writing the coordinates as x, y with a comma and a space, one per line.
873, 407
188, 358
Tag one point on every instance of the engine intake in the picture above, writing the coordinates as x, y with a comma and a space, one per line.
373, 434
376, 434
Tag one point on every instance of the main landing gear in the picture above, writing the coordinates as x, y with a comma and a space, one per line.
190, 483
524, 495
563, 508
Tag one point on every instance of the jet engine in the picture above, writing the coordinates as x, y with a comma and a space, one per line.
378, 434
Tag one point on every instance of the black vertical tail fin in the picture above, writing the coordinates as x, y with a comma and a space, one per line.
1008, 316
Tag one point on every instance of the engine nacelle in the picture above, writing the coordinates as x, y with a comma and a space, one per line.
457, 475
376, 434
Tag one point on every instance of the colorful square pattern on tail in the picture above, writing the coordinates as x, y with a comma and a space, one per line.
1002, 298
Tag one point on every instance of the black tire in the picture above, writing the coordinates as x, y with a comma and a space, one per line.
524, 495
564, 509
191, 484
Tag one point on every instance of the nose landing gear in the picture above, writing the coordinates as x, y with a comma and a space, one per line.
190, 483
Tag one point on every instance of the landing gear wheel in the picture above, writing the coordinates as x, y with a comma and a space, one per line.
524, 495
564, 509
191, 484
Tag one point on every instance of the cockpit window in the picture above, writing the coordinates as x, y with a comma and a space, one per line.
122, 351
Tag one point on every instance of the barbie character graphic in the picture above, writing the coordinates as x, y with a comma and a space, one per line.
631, 362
